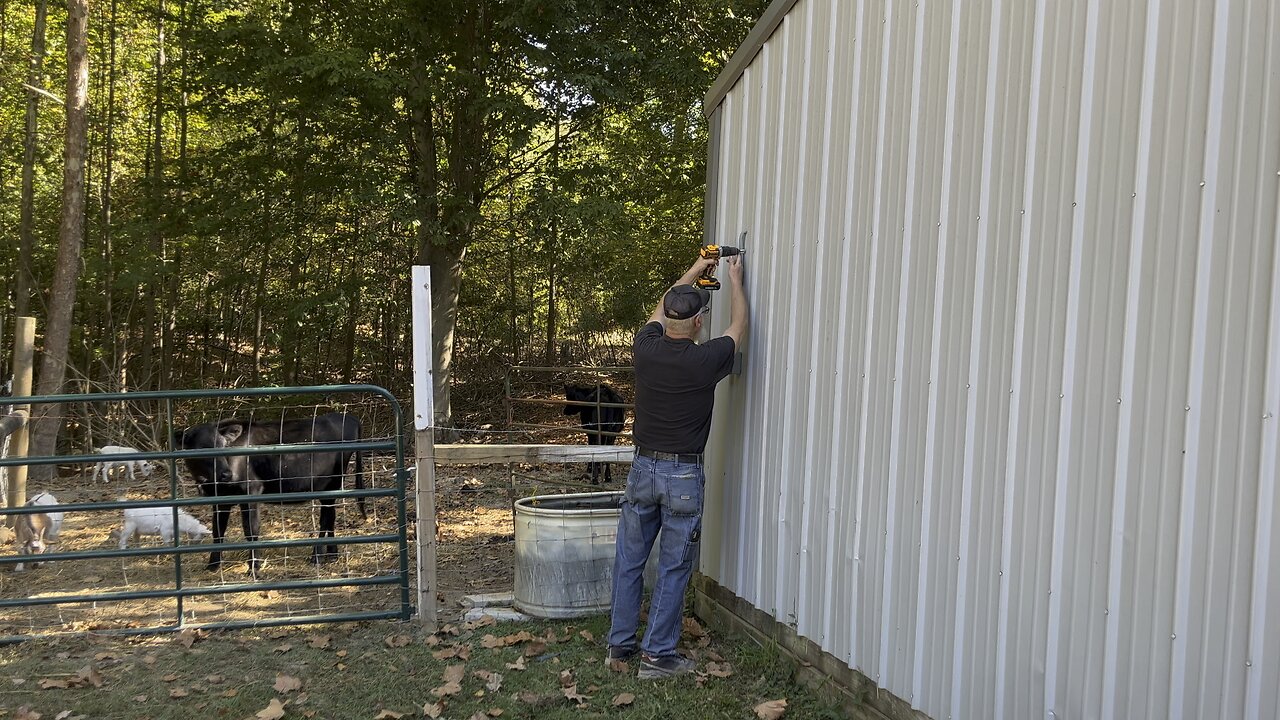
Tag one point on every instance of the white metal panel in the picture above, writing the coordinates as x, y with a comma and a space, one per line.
1006, 441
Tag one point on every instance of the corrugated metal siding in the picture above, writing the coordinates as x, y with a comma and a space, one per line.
1006, 436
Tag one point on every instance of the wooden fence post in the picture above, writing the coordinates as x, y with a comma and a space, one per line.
424, 446
24, 339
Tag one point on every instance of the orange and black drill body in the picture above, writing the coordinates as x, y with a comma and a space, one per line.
707, 280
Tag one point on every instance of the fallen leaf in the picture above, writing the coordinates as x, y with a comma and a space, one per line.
478, 716
529, 698
286, 683
494, 712
214, 679
619, 666
278, 633
572, 693
396, 641
139, 698
17, 681
622, 699
319, 642
517, 665
26, 713
188, 637
433, 640
273, 711
341, 667
713, 655
450, 630
464, 652
230, 693
720, 670
433, 710
149, 659
566, 678
388, 714
62, 715
771, 709
455, 673
308, 713
170, 677
490, 642
445, 654
495, 683
692, 627
282, 649
342, 653
178, 693
88, 674
50, 683
534, 649
103, 656
586, 635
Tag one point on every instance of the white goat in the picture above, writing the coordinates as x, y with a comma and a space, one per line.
110, 464
159, 521
38, 530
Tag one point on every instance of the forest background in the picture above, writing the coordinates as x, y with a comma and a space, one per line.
260, 177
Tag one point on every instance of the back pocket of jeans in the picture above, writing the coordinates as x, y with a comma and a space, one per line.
684, 494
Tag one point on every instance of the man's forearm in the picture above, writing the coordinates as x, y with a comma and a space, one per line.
689, 276
738, 316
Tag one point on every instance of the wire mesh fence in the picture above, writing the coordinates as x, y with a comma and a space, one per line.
474, 501
158, 579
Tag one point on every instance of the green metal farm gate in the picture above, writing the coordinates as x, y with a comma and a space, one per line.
82, 581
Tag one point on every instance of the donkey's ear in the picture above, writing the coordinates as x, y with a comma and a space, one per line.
230, 432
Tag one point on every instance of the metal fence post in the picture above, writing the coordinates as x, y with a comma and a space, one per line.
424, 446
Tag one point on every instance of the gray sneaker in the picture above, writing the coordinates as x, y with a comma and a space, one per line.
655, 668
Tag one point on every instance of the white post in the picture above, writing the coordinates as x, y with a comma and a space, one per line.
424, 446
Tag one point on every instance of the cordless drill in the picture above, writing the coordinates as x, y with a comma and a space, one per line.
707, 280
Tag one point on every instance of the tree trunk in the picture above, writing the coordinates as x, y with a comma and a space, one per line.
153, 346
25, 280
108, 281
63, 297
553, 249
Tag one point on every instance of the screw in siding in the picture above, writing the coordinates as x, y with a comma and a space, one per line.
1201, 183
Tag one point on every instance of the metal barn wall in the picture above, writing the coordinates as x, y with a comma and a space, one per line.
1005, 438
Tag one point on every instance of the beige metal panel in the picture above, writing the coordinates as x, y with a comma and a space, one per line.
813, 452
840, 618
805, 189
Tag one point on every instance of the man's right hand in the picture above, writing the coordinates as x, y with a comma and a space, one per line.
735, 269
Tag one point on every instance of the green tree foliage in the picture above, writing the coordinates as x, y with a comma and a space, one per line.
309, 153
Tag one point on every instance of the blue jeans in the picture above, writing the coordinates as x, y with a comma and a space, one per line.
666, 495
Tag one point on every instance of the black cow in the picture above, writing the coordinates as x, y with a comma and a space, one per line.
598, 422
248, 475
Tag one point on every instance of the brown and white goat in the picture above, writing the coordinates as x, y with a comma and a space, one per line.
37, 531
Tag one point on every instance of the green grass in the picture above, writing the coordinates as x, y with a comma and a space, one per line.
360, 674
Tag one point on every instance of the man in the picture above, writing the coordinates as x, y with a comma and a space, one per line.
675, 388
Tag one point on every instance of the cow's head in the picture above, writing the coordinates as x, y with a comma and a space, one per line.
577, 393
208, 436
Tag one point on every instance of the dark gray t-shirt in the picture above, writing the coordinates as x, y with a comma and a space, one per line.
675, 389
